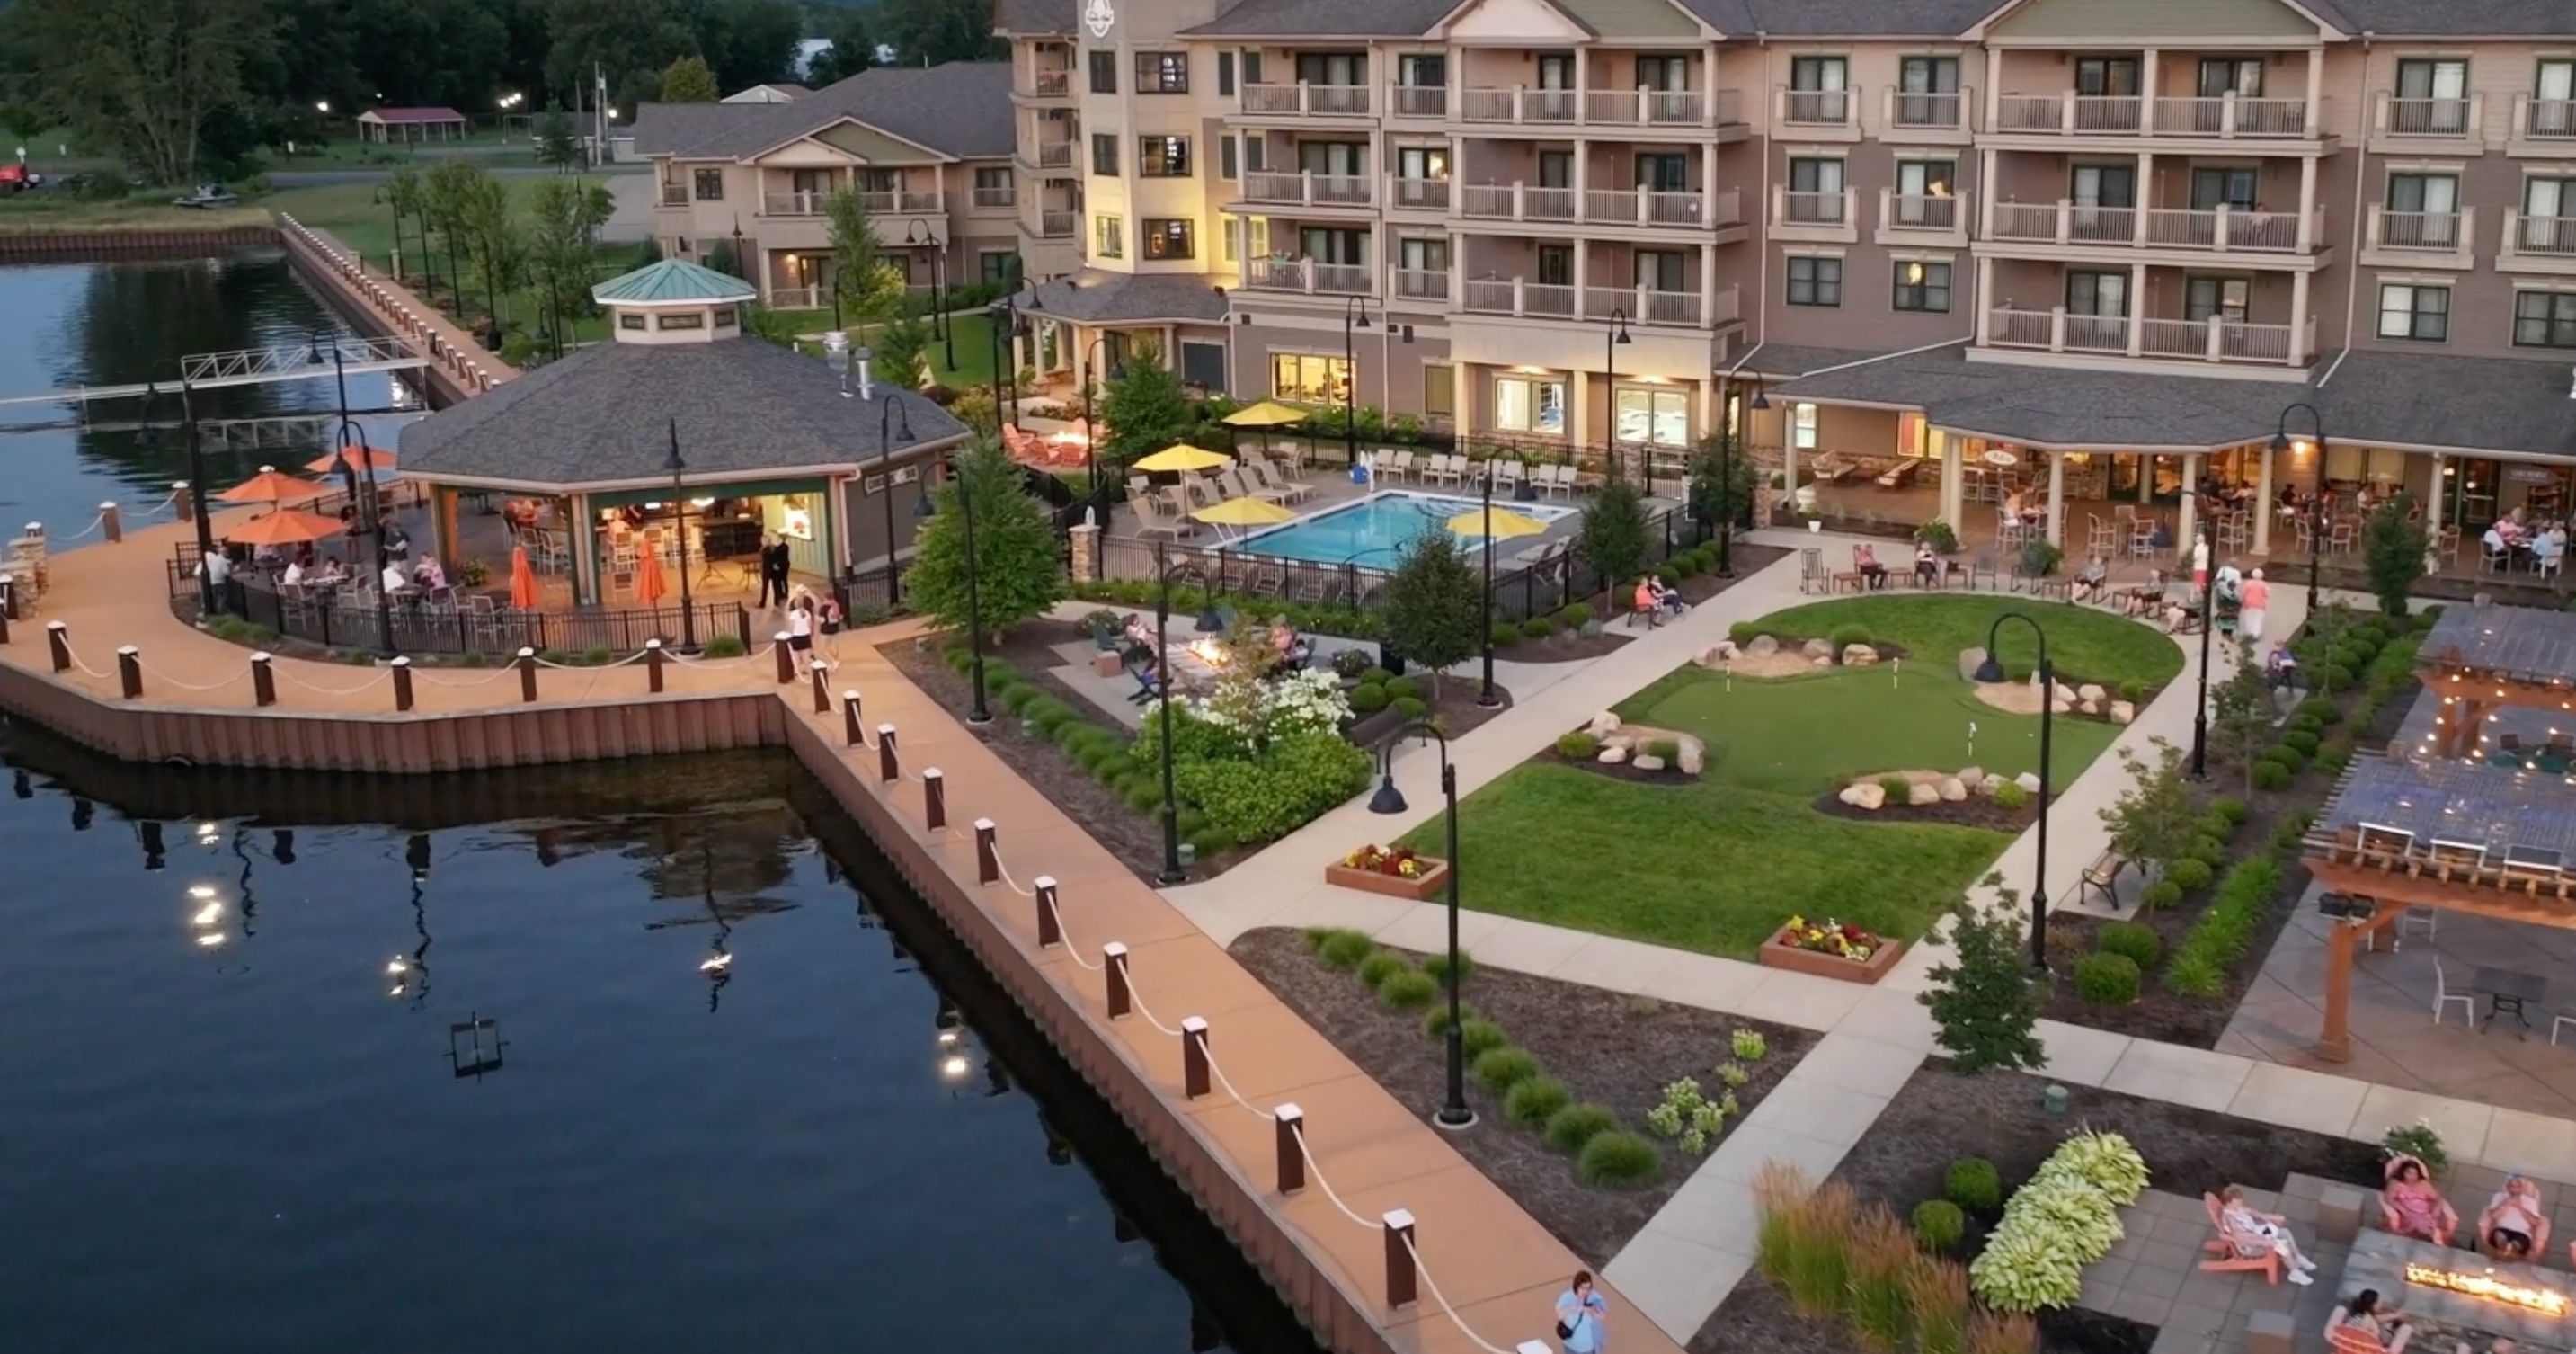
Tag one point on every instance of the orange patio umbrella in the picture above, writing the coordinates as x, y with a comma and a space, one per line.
523, 580
649, 585
286, 526
272, 485
364, 459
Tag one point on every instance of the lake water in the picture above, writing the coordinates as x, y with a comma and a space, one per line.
738, 1091
91, 324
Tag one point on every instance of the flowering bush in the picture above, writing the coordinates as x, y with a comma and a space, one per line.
1829, 937
1402, 861
1259, 758
1688, 1115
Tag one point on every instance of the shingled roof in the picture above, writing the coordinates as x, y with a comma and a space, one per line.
961, 109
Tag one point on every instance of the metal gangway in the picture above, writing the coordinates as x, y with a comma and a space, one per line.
250, 367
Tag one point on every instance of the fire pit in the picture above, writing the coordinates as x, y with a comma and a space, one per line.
2461, 1295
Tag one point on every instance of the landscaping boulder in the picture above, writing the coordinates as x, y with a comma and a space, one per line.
1969, 661
1763, 646
1694, 758
1647, 761
1866, 795
2065, 694
1951, 789
1718, 655
2089, 706
2063, 707
1821, 661
1972, 776
2028, 781
2091, 693
2123, 711
1988, 786
1604, 724
1817, 648
1919, 794
1859, 656
1614, 754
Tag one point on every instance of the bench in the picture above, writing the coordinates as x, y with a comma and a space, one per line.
2103, 877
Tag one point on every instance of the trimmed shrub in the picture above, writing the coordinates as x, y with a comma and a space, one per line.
2162, 893
1401, 688
1569, 1128
1345, 949
1538, 627
1411, 707
1500, 1069
1505, 634
1973, 1184
1437, 965
2107, 979
2287, 756
1618, 1159
1143, 794
1533, 1102
1575, 617
1317, 937
1845, 636
1683, 566
2188, 874
2133, 692
2302, 739
2233, 810
1480, 1036
1212, 841
2139, 942
1366, 699
1379, 967
1895, 788
1743, 633
1579, 746
1436, 1024
2011, 796
2209, 851
1939, 1225
1376, 677
2271, 776
1666, 749
2244, 897
1408, 989
2321, 710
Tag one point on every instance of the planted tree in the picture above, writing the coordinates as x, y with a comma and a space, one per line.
1721, 481
1430, 608
557, 144
450, 192
497, 246
1016, 551
1142, 409
2326, 630
2240, 714
1986, 1003
898, 354
406, 193
2393, 546
2153, 822
564, 218
689, 80
869, 288
1613, 534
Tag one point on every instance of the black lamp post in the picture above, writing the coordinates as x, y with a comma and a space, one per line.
1005, 315
1611, 338
1991, 671
921, 235
1209, 623
362, 499
680, 540
1091, 355
1454, 1113
1487, 696
1354, 318
978, 716
2208, 627
885, 458
198, 490
2316, 498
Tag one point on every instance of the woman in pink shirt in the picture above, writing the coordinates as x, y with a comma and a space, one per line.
2257, 599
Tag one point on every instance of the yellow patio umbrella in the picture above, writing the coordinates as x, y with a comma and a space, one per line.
1245, 512
1267, 414
1505, 524
1184, 457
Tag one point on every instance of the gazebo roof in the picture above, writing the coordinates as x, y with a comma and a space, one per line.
2523, 644
412, 115
672, 282
2487, 807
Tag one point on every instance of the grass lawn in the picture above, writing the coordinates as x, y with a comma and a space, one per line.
44, 213
2085, 643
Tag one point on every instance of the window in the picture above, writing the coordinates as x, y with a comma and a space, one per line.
689, 321
1816, 191
1167, 238
1226, 166
1666, 74
1334, 159
1104, 72
1657, 416
1923, 286
1162, 72
2418, 314
2432, 97
1108, 238
1229, 241
992, 177
724, 318
707, 185
2103, 296
1927, 75
1818, 74
1556, 169
1309, 378
2241, 76
2423, 211
2232, 187
1529, 404
2224, 298
997, 265
1802, 426
1225, 73
2544, 319
1439, 390
2553, 98
1422, 162
629, 320
1555, 70
1923, 189
1556, 265
1163, 157
1423, 70
2113, 186
1104, 154
1334, 244
2107, 76
1332, 68
1815, 280
2547, 203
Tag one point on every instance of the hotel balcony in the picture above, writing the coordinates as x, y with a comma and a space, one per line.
675, 195
1816, 218
2223, 230
1046, 155
1058, 225
1044, 85
1919, 219
1419, 284
997, 199
1936, 119
2400, 125
1303, 100
1522, 106
1307, 277
2230, 117
1636, 208
1418, 195
1816, 114
1523, 299
2538, 244
1429, 102
2211, 341
898, 203
2420, 239
2542, 127
1291, 188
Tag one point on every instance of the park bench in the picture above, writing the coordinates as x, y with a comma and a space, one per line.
2103, 876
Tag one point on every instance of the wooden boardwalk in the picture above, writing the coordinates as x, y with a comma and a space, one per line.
1488, 1271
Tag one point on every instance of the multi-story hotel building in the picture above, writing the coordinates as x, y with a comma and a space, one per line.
2102, 245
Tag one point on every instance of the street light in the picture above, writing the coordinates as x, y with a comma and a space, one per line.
1209, 623
1610, 341
1487, 696
929, 239
2316, 498
362, 500
1991, 671
1354, 318
1005, 315
885, 458
200, 493
680, 533
978, 716
1454, 1113
1091, 355
2208, 626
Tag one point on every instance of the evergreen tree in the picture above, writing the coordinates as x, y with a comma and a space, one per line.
557, 144
2393, 549
1721, 482
869, 287
1142, 410
1016, 550
898, 354
1986, 1004
1613, 534
688, 80
1431, 609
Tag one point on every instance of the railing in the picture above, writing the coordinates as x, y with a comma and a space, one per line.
2221, 230
2444, 231
2212, 340
2443, 118
2070, 114
1547, 204
1342, 279
2231, 115
1796, 208
2228, 228
907, 201
1421, 101
1646, 107
1519, 104
1054, 155
1917, 211
1047, 84
1642, 305
793, 204
1815, 107
2097, 333
2172, 338
1058, 225
348, 619
1307, 276
1925, 112
1274, 275
1422, 284
1514, 296
2543, 119
1004, 196
675, 195
1303, 98
2553, 236
795, 298
1303, 189
2020, 329
1426, 195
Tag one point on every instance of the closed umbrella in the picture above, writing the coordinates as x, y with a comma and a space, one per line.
365, 460
272, 485
523, 580
649, 585
286, 526
1184, 457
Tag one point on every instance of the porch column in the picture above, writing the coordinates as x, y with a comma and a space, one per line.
1986, 288
2184, 528
451, 550
1708, 279
2137, 303
2263, 501
2307, 203
1986, 201
2057, 498
583, 536
1953, 483
1462, 400
2146, 104
1994, 109
2434, 496
1788, 453
2299, 316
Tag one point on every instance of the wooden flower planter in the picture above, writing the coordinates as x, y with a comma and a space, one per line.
1773, 954
1433, 879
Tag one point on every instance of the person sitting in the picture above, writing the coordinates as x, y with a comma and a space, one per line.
1865, 563
2364, 1319
1648, 602
2280, 669
393, 580
1149, 678
2412, 1206
2250, 1223
429, 574
1927, 565
2090, 583
1668, 597
2514, 1226
294, 575
1289, 651
2549, 545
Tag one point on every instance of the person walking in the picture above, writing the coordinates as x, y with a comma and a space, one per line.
1580, 1310
773, 572
800, 632
2257, 604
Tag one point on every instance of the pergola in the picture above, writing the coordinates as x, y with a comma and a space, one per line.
411, 124
2481, 658
2404, 833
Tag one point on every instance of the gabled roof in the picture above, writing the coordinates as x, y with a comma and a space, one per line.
1096, 296
672, 282
413, 115
1326, 18
2450, 18
1746, 19
961, 109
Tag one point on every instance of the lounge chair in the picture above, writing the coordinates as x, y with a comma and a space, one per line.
1268, 579
1150, 520
1288, 490
1238, 484
2235, 1253
1900, 474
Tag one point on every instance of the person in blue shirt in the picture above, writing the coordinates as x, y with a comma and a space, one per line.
1579, 1313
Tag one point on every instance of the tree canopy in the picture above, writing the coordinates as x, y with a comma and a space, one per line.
144, 76
869, 287
1430, 606
1142, 409
1016, 551
688, 80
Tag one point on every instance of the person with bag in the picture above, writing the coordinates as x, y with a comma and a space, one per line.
1579, 1313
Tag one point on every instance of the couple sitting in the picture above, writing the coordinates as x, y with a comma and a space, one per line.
1655, 599
2514, 1226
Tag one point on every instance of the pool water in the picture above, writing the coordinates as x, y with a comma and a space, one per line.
1378, 526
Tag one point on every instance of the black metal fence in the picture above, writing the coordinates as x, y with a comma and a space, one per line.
349, 619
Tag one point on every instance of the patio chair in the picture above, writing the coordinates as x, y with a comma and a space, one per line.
1561, 479
1150, 520
1275, 484
2142, 537
1900, 474
1239, 485
2233, 1252
2339, 541
1267, 579
2098, 537
2444, 996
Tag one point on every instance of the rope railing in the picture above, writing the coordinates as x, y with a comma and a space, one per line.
1138, 1000
382, 675
83, 666
1223, 1080
160, 676
485, 680
1428, 1282
1315, 1172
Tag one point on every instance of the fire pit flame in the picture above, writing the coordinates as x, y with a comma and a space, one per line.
2546, 1301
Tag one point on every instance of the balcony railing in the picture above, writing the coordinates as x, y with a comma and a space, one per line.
1307, 276
2222, 230
793, 204
1681, 209
1518, 105
2230, 116
2070, 114
1814, 108
1516, 296
1645, 107
1264, 187
1054, 155
1004, 196
1058, 225
1046, 84
1908, 112
2432, 232
1422, 284
2552, 121
1516, 202
1918, 211
1642, 305
1791, 207
2431, 119
1305, 99
1420, 101
1421, 195
2215, 339
675, 195
2545, 236
905, 201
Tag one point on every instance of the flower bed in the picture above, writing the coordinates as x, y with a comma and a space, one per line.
1831, 949
1397, 872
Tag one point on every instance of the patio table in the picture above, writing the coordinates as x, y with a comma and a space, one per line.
2509, 989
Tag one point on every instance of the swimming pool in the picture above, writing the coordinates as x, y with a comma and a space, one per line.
1371, 530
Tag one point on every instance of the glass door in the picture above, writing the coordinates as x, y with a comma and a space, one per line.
2432, 97
2553, 99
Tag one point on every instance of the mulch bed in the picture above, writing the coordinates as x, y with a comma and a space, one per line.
1938, 1117
1617, 1050
1454, 706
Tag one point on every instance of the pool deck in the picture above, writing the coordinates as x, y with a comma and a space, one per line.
1490, 1270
